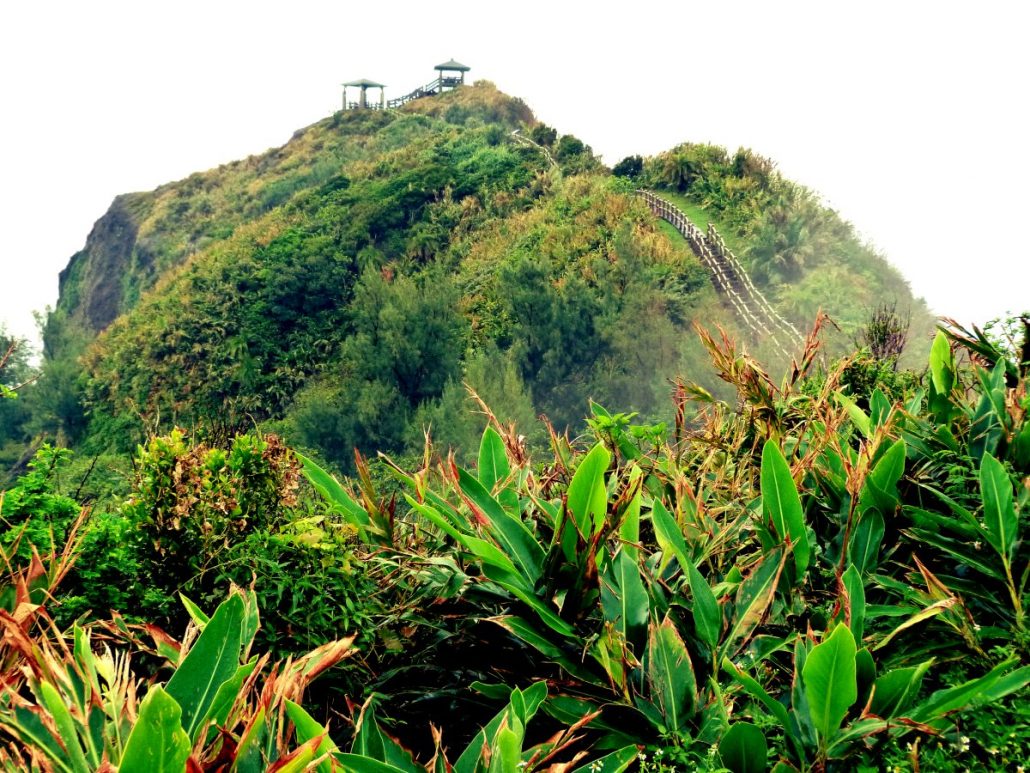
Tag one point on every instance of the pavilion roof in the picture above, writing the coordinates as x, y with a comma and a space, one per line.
366, 83
452, 65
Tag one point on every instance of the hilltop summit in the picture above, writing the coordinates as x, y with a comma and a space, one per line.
344, 286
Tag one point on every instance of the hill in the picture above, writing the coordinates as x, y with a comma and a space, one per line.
343, 287
818, 572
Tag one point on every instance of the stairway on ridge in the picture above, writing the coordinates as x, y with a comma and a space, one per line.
729, 278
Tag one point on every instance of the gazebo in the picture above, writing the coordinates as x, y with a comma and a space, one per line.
364, 85
451, 81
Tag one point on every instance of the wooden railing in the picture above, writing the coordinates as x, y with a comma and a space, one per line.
430, 89
729, 276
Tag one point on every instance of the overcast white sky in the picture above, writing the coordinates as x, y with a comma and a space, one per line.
910, 118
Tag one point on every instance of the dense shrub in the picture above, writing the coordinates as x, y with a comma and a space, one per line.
630, 166
34, 515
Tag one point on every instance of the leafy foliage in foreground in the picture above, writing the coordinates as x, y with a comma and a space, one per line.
767, 582
807, 582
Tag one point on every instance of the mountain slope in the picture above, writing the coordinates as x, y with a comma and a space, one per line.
343, 286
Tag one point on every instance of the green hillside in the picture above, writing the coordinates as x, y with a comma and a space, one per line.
804, 254
344, 288
600, 518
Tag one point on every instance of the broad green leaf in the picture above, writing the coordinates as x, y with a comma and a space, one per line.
1020, 448
879, 408
830, 681
979, 690
993, 387
985, 430
30, 730
965, 526
370, 741
515, 585
669, 536
782, 504
749, 683
999, 510
508, 529
84, 697
865, 670
705, 608
356, 763
855, 589
213, 660
616, 762
491, 555
333, 493
495, 692
533, 637
743, 749
880, 489
624, 599
959, 550
197, 615
670, 675
801, 713
251, 621
1006, 685
506, 750
308, 728
228, 692
248, 753
942, 370
895, 690
864, 550
587, 496
529, 701
754, 596
852, 734
298, 760
923, 614
66, 726
629, 529
493, 459
157, 743
858, 417
445, 525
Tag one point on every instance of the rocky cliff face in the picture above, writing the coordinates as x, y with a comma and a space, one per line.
92, 285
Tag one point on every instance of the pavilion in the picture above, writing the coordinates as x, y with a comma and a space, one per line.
364, 85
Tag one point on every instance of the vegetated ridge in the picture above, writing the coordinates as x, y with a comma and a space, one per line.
818, 572
343, 287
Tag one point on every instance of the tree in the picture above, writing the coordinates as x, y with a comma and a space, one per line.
569, 147
555, 335
630, 166
542, 134
456, 420
406, 347
13, 359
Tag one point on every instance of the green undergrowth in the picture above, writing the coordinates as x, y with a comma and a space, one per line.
822, 573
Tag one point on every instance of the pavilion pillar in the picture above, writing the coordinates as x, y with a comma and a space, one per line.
382, 98
361, 99
344, 97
